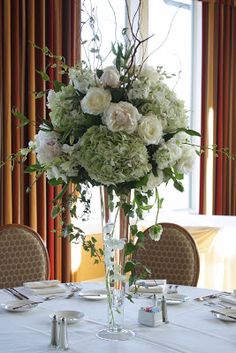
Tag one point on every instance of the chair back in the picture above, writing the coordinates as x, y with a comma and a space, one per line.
174, 257
23, 256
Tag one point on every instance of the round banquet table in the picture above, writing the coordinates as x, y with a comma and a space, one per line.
191, 328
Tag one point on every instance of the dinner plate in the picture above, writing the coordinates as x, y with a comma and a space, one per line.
221, 314
71, 316
95, 294
176, 298
17, 306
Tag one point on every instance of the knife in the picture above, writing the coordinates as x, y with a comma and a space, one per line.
223, 314
17, 295
26, 304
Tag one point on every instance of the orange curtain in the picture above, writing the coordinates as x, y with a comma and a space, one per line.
219, 103
55, 24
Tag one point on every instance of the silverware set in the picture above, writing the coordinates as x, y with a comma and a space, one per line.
21, 296
17, 294
211, 296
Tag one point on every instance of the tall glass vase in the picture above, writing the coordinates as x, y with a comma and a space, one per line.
115, 237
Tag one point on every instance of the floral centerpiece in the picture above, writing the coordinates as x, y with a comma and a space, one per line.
120, 127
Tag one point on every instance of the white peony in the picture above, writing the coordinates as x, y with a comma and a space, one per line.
96, 101
150, 130
47, 146
186, 162
153, 181
121, 116
110, 77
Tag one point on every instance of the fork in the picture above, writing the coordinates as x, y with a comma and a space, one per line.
219, 305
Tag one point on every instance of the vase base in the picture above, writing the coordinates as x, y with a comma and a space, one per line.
122, 335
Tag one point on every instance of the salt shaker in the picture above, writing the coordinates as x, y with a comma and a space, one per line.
54, 332
164, 310
63, 339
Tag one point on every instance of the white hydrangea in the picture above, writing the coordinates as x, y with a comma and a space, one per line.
55, 173
65, 107
81, 79
121, 116
150, 130
150, 73
167, 155
96, 101
140, 90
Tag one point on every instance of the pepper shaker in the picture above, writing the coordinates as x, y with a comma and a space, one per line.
54, 332
164, 310
63, 338
154, 300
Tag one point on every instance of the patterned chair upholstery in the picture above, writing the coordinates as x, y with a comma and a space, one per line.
23, 256
175, 257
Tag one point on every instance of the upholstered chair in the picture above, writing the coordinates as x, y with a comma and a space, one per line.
23, 256
174, 257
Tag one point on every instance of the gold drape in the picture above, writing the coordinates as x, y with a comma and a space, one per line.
51, 23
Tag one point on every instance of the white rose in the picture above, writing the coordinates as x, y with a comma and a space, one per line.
110, 77
150, 130
96, 101
186, 162
153, 181
121, 116
155, 232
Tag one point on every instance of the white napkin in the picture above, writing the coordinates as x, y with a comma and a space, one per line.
47, 291
228, 299
149, 286
45, 287
156, 289
41, 284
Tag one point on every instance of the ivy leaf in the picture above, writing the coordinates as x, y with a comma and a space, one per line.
118, 94
99, 73
55, 182
33, 168
129, 266
43, 75
178, 186
24, 121
134, 229
55, 211
59, 196
129, 248
58, 85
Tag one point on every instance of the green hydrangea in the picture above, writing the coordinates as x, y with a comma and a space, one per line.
112, 158
65, 108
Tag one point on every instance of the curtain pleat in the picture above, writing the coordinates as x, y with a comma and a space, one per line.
55, 24
219, 97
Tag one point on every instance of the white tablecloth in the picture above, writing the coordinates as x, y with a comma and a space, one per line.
192, 328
